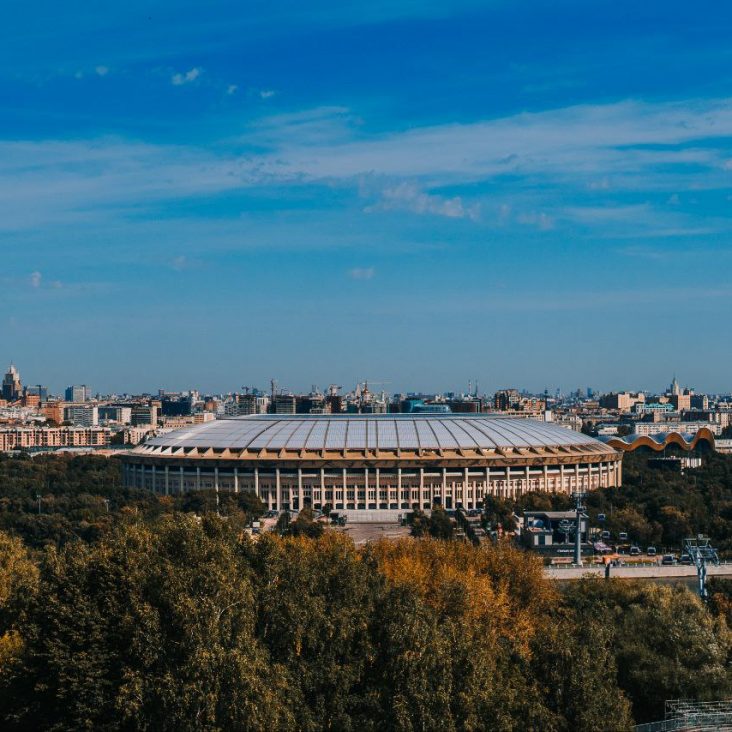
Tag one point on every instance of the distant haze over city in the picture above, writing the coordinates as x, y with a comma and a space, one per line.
135, 384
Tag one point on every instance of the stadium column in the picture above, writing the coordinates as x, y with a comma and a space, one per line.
198, 477
577, 486
509, 488
562, 486
487, 491
180, 480
400, 497
322, 487
236, 480
546, 478
366, 484
421, 487
278, 489
527, 487
154, 481
468, 500
167, 480
345, 490
300, 493
443, 490
216, 479
256, 484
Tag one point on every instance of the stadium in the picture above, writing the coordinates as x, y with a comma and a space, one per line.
366, 463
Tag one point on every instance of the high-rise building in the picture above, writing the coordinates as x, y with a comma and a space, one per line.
284, 404
77, 393
12, 388
82, 415
115, 413
144, 414
251, 404
40, 391
505, 400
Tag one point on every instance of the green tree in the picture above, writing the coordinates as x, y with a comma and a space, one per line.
153, 628
576, 665
667, 645
306, 525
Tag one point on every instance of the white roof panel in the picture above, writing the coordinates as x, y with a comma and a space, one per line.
369, 431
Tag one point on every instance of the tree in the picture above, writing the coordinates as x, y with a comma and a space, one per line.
498, 512
576, 665
667, 645
440, 524
306, 525
150, 629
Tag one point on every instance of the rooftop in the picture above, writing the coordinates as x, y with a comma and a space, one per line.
373, 432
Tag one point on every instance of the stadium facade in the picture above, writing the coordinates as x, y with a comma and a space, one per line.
373, 462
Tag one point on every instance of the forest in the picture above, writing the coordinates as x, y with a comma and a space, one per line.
122, 610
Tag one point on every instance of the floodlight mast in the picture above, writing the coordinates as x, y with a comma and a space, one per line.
578, 507
701, 552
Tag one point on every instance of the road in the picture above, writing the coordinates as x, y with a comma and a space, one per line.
629, 572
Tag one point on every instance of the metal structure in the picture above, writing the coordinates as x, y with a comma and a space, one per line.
578, 497
701, 553
684, 715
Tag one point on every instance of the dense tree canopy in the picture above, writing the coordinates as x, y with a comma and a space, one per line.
177, 623
162, 613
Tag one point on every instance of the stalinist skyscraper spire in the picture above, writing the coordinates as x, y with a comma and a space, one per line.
12, 388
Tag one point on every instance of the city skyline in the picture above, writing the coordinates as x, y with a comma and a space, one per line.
470, 387
413, 193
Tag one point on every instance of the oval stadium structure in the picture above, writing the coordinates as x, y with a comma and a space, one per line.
369, 463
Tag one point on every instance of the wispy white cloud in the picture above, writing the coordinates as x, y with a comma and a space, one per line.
361, 273
267, 93
35, 279
539, 220
628, 140
102, 70
187, 77
532, 163
407, 196
644, 252
231, 89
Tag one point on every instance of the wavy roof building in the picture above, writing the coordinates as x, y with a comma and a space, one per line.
662, 440
367, 463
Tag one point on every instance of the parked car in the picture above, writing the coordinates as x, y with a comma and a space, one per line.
651, 551
623, 536
635, 551
685, 559
668, 560
604, 535
600, 517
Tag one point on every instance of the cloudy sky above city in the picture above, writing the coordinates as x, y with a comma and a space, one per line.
533, 194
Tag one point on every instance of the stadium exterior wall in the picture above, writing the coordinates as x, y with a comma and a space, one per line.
375, 479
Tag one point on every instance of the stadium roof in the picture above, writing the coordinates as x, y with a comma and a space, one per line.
372, 432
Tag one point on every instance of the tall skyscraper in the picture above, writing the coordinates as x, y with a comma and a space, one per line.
77, 393
12, 388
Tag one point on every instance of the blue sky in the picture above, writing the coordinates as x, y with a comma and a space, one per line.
212, 194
